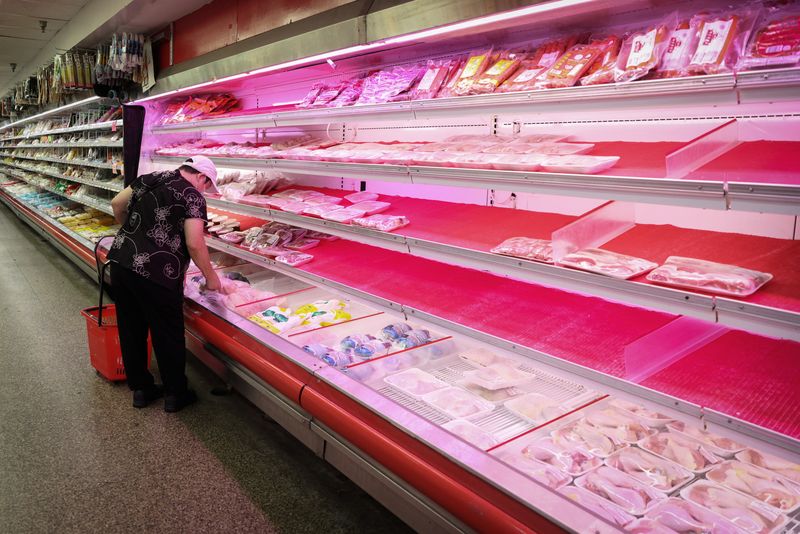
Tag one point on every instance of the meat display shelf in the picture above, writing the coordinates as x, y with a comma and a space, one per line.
773, 311
566, 332
81, 163
68, 145
93, 183
678, 92
108, 125
105, 208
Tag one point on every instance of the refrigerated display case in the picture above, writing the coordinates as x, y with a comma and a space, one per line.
530, 395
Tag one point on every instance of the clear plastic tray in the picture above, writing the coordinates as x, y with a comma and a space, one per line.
607, 263
751, 516
686, 516
458, 403
647, 417
294, 259
721, 446
772, 463
619, 425
631, 495
541, 472
683, 451
572, 460
659, 473
708, 276
584, 434
496, 395
534, 408
759, 484
361, 196
600, 506
371, 207
302, 244
415, 382
471, 433
498, 376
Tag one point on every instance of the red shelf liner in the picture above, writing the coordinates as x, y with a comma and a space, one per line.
780, 257
769, 162
750, 377
645, 160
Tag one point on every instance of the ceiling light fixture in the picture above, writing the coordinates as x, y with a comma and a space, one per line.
43, 25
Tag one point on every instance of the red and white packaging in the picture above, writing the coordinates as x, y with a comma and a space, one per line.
344, 215
679, 50
776, 43
434, 78
570, 67
527, 248
361, 196
495, 75
383, 223
641, 51
371, 207
294, 259
602, 70
709, 276
721, 39
578, 164
750, 516
475, 66
524, 79
605, 262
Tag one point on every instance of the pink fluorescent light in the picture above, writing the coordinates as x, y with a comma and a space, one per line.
410, 37
53, 111
286, 103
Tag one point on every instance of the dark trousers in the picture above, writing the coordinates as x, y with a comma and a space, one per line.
144, 306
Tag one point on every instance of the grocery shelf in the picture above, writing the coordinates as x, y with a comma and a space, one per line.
68, 145
108, 125
679, 92
105, 208
80, 163
93, 183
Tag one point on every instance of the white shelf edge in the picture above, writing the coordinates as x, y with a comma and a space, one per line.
99, 185
66, 145
79, 163
82, 128
85, 202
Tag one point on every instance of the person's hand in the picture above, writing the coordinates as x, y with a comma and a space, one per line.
213, 284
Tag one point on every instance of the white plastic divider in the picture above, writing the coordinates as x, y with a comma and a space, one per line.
703, 149
595, 228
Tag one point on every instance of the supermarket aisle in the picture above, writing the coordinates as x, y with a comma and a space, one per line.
75, 456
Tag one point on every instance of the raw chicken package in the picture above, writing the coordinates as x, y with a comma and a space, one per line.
570, 67
644, 415
361, 196
472, 71
433, 79
661, 474
535, 408
495, 75
721, 39
641, 52
772, 463
776, 43
458, 404
498, 376
607, 263
480, 357
618, 425
344, 215
541, 472
629, 494
718, 445
471, 433
527, 248
602, 507
685, 516
371, 207
648, 526
759, 484
709, 276
572, 460
584, 434
318, 210
679, 50
750, 516
686, 452
578, 164
523, 79
302, 244
415, 382
383, 223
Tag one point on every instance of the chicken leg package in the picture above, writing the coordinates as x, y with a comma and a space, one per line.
684, 516
776, 43
709, 276
571, 460
661, 474
629, 494
495, 75
383, 223
602, 507
759, 484
718, 445
685, 452
721, 39
742, 511
527, 248
641, 51
473, 69
570, 67
772, 463
541, 472
608, 263
602, 70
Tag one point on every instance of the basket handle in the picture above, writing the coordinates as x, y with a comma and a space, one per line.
101, 278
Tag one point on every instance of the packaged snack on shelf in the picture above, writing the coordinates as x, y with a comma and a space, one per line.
432, 80
498, 376
539, 471
684, 516
578, 164
523, 79
685, 452
415, 382
771, 462
572, 460
776, 43
302, 244
471, 433
361, 196
740, 510
641, 51
526, 247
472, 71
604, 508
592, 438
718, 445
294, 259
709, 276
457, 403
645, 416
602, 70
570, 67
371, 207
495, 75
721, 39
532, 407
384, 223
679, 50
344, 215
607, 263
757, 483
233, 237
663, 475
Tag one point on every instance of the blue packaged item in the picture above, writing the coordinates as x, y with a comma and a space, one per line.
395, 331
372, 348
317, 350
414, 338
337, 359
351, 342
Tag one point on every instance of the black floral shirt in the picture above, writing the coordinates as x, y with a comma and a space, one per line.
151, 243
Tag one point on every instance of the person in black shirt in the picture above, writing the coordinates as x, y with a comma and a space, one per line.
162, 216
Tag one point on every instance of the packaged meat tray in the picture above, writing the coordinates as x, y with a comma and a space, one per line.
678, 52
371, 207
361, 196
432, 80
572, 460
772, 463
740, 510
495, 75
233, 237
659, 473
578, 164
709, 276
524, 79
759, 484
480, 357
647, 417
255, 200
683, 451
560, 149
584, 434
718, 445
458, 404
629, 494
721, 39
541, 472
472, 71
641, 51
602, 70
498, 376
776, 43
294, 259
648, 526
492, 395
547, 53
619, 425
685, 516
517, 162
595, 260
539, 138
318, 210
602, 507
570, 67
302, 244
344, 215
535, 408
415, 382
527, 248
322, 199
383, 223
294, 206
471, 433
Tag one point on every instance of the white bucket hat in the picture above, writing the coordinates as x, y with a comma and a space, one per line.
205, 166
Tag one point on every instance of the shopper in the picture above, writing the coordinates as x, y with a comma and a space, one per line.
162, 216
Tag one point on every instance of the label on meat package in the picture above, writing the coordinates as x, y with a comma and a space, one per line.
500, 67
427, 80
549, 58
676, 50
527, 75
714, 39
472, 66
642, 49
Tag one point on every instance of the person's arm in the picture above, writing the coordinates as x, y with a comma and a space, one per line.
198, 251
119, 204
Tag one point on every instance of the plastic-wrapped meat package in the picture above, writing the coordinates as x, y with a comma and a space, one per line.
570, 67
498, 376
559, 149
772, 463
323, 199
524, 79
302, 244
721, 39
472, 71
579, 164
678, 52
525, 247
507, 148
233, 237
328, 94
661, 474
457, 403
607, 263
294, 259
387, 84
371, 207
776, 43
602, 507
432, 80
295, 206
547, 54
685, 516
246, 295
528, 139
361, 196
470, 433
572, 460
648, 526
642, 414
709, 276
456, 68
532, 407
516, 162
602, 70
317, 210
312, 95
383, 223
686, 452
762, 485
641, 51
738, 509
472, 161
620, 426
541, 472
344, 215
349, 94
718, 445
495, 75
584, 434
415, 382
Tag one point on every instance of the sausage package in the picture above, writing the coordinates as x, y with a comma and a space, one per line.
641, 51
570, 67
549, 52
524, 79
473, 69
721, 38
602, 70
495, 75
432, 80
776, 42
679, 50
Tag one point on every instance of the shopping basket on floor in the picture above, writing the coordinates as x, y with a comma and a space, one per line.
101, 327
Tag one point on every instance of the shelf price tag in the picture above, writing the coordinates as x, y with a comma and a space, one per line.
114, 126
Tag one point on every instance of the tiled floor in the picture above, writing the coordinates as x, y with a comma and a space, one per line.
76, 457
